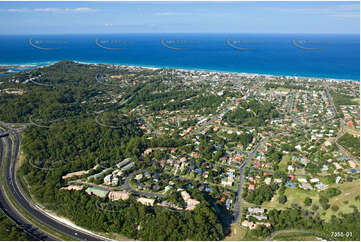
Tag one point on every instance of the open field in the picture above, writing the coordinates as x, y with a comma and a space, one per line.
237, 233
281, 89
352, 131
356, 100
283, 162
278, 89
349, 191
296, 237
294, 196
297, 196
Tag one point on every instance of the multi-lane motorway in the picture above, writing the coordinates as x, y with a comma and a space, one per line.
12, 150
10, 212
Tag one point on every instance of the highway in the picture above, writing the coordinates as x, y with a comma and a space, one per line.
12, 184
3, 134
12, 213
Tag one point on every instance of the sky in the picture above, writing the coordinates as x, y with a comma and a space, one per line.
179, 17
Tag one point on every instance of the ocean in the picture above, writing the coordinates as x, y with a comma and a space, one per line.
325, 56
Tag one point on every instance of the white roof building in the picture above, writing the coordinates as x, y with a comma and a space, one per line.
314, 180
108, 179
146, 201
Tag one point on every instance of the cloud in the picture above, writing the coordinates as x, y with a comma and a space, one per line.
350, 10
82, 10
46, 10
18, 10
172, 14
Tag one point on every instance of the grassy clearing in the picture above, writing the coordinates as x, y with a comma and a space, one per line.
297, 196
352, 131
356, 100
294, 196
349, 191
296, 237
278, 89
283, 163
237, 233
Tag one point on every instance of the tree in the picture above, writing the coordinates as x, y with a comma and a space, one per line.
262, 193
308, 201
10, 232
315, 207
334, 208
325, 206
282, 199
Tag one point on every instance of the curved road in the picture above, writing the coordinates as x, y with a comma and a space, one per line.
21, 199
12, 214
127, 187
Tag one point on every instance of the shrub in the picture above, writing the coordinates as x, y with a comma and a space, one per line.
315, 207
325, 206
334, 208
282, 199
308, 201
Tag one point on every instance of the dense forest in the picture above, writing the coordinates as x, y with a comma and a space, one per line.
252, 113
298, 219
351, 143
261, 194
138, 221
10, 232
67, 89
43, 104
79, 145
341, 99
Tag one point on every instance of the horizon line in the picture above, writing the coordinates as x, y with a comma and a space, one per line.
2, 34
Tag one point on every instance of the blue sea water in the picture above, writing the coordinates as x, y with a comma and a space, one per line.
324, 56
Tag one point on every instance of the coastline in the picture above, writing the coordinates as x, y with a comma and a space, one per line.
33, 65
